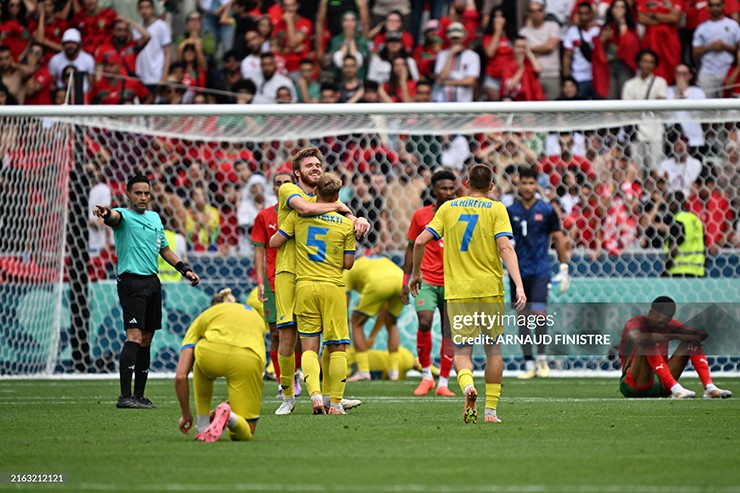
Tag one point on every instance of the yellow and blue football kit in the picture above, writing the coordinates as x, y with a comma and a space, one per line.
229, 342
285, 263
378, 280
473, 272
320, 245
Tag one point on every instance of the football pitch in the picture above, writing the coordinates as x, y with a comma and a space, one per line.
560, 435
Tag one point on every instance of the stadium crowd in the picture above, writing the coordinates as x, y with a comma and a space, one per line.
611, 187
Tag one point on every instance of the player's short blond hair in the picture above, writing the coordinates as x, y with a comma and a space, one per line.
303, 154
328, 186
223, 296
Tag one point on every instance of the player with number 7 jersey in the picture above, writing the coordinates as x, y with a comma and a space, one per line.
476, 231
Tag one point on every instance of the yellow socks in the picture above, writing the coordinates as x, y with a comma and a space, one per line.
338, 372
311, 372
327, 382
493, 393
465, 378
363, 361
287, 370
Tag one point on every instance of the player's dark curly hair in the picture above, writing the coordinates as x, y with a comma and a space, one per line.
442, 175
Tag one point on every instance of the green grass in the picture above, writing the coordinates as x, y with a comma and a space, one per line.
563, 435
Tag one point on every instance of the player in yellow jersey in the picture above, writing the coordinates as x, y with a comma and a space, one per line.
307, 165
324, 247
226, 340
380, 362
378, 280
476, 230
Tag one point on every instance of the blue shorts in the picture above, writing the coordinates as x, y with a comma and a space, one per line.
536, 290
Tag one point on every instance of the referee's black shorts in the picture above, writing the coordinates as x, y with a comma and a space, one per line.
141, 301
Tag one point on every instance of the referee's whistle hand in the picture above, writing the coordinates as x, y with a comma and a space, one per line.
193, 278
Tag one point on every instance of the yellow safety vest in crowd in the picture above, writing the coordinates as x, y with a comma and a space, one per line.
689, 257
167, 273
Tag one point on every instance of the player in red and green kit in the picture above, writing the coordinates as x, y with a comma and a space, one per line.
432, 293
266, 225
647, 371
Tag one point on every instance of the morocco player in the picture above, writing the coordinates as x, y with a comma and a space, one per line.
265, 225
324, 247
534, 223
432, 293
476, 231
307, 166
646, 369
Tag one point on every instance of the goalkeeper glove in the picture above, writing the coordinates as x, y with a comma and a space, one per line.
563, 279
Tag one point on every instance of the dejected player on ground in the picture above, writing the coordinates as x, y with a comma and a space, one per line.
535, 224
476, 231
139, 237
432, 293
647, 371
226, 340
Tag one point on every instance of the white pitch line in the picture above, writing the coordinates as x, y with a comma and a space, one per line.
400, 488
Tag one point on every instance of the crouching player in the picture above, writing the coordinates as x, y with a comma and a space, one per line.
324, 247
227, 340
646, 369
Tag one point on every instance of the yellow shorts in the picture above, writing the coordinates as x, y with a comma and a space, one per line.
242, 368
285, 298
476, 320
322, 307
376, 294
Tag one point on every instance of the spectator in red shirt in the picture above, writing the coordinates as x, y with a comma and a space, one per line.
293, 34
122, 44
555, 166
426, 52
114, 87
584, 222
190, 53
713, 208
94, 23
14, 32
39, 83
49, 27
613, 61
393, 23
661, 33
498, 45
400, 88
464, 12
520, 77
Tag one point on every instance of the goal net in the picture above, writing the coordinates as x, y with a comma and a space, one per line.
612, 170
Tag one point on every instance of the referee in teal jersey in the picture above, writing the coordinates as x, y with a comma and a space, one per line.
139, 237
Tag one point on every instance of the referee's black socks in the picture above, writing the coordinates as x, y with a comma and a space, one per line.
129, 361
143, 357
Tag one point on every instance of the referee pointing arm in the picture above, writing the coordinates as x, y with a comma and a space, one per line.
139, 236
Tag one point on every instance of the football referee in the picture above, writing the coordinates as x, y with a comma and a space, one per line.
139, 237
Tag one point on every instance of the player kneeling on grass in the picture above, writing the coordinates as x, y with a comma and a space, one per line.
647, 370
227, 340
324, 247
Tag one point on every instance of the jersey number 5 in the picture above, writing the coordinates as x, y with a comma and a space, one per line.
472, 220
313, 241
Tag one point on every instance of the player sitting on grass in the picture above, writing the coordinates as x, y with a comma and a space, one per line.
647, 370
227, 340
324, 247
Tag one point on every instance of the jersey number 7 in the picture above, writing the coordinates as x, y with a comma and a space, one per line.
313, 241
472, 220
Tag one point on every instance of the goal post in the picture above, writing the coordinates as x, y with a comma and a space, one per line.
604, 164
